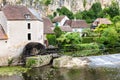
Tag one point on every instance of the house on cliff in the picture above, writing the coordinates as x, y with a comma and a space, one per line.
18, 26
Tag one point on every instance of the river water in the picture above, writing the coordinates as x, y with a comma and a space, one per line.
49, 73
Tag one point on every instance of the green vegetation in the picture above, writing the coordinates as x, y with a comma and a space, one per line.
31, 62
51, 39
65, 11
12, 70
92, 41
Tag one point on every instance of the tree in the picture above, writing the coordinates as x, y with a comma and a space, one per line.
116, 19
96, 8
70, 38
65, 11
57, 31
84, 4
109, 37
51, 39
113, 10
78, 15
46, 3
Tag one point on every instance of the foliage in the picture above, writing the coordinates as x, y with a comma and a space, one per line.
109, 37
96, 7
65, 11
116, 19
10, 61
46, 2
113, 9
87, 39
78, 15
70, 38
51, 39
117, 27
84, 4
50, 17
57, 31
101, 27
88, 16
12, 70
31, 62
81, 49
94, 12
89, 32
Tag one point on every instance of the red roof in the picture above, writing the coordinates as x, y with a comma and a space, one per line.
47, 25
14, 12
3, 35
66, 28
76, 23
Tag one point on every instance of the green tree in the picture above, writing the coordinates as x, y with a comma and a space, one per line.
116, 19
96, 7
57, 31
65, 11
51, 39
70, 38
78, 15
113, 10
84, 4
109, 37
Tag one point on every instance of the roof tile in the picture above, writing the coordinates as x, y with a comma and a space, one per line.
14, 12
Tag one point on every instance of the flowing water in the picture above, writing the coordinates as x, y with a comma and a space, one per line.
49, 73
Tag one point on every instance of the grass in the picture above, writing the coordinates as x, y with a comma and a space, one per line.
12, 70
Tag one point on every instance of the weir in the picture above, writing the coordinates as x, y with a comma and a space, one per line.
112, 60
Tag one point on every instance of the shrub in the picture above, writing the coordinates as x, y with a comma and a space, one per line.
109, 37
87, 39
81, 49
51, 39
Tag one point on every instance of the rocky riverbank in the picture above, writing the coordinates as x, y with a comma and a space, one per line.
70, 62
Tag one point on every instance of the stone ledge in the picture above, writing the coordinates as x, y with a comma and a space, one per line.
70, 62
37, 61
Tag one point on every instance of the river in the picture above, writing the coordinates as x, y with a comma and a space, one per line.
49, 73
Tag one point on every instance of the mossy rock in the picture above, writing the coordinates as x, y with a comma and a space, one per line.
37, 61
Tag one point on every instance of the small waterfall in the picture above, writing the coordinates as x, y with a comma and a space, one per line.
105, 60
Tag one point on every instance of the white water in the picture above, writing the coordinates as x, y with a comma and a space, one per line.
105, 60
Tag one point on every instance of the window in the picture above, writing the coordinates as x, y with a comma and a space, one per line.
28, 25
29, 36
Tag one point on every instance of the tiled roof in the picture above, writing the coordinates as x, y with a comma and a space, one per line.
58, 18
66, 28
47, 26
14, 12
76, 23
3, 35
102, 21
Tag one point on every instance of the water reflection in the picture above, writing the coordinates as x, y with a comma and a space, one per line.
48, 73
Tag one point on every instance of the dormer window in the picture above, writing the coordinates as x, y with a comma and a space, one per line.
27, 16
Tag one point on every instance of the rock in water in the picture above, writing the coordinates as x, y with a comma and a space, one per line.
70, 62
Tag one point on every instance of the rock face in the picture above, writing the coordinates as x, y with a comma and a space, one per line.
70, 62
37, 61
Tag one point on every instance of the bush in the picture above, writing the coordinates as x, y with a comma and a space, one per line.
51, 39
109, 37
87, 39
81, 49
